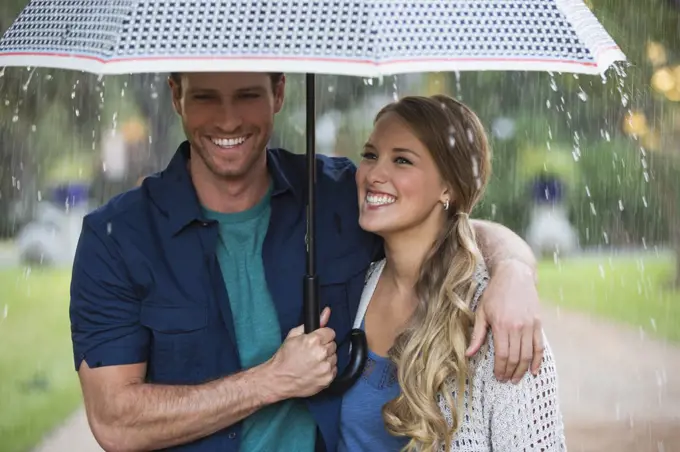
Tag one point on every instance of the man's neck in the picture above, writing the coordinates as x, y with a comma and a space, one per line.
226, 195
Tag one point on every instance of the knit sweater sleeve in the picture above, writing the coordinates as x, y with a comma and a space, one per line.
506, 416
525, 416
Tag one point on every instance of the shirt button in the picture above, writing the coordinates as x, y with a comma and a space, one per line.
232, 435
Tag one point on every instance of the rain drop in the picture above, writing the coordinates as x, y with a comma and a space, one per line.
39, 195
109, 228
15, 118
582, 95
25, 87
644, 200
458, 88
6, 308
592, 209
601, 268
620, 205
553, 84
34, 128
77, 112
2, 72
470, 136
73, 95
587, 191
547, 103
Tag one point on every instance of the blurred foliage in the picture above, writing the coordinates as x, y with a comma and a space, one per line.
613, 139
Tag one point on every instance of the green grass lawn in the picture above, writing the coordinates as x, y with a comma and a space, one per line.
38, 384
629, 290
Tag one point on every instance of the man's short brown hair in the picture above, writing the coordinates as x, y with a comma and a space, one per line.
275, 78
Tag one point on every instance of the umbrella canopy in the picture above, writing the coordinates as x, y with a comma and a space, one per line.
364, 38
346, 37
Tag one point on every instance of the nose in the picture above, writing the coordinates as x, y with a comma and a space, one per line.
378, 173
228, 117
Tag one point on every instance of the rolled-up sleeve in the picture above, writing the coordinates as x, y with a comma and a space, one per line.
104, 309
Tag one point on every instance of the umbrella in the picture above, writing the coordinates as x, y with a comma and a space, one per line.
366, 38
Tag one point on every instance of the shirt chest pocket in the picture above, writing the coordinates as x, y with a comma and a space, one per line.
179, 336
340, 283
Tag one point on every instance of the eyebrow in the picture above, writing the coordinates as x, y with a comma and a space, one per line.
399, 150
257, 88
247, 89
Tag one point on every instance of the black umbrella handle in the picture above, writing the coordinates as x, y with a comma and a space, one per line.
357, 338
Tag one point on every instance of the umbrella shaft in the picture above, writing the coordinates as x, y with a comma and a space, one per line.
311, 283
311, 175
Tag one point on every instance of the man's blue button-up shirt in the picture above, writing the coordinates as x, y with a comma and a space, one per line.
147, 286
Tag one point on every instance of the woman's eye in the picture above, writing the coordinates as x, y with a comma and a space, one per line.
402, 161
368, 155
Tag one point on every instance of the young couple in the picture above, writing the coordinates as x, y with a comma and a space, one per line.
187, 295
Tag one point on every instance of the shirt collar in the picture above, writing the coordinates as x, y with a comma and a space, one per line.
173, 191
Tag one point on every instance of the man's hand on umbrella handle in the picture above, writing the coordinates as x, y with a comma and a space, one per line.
305, 364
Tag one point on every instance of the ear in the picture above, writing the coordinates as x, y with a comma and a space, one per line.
446, 195
279, 94
176, 92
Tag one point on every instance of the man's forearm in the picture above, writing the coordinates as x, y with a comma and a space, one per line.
149, 416
499, 244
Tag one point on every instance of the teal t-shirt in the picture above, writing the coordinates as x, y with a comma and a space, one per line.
288, 425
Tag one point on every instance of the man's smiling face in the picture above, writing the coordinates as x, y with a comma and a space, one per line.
227, 117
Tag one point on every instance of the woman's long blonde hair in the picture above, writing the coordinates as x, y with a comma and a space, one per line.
430, 353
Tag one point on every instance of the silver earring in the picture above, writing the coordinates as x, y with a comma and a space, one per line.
446, 205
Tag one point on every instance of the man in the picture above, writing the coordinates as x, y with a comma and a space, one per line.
187, 291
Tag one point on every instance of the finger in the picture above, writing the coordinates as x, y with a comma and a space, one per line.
502, 348
331, 348
325, 316
525, 353
297, 331
515, 337
325, 335
333, 360
539, 348
478, 335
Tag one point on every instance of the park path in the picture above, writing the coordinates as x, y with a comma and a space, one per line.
619, 389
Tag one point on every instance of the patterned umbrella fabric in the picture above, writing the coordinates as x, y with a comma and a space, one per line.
347, 37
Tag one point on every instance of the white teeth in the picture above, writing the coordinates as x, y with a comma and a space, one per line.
228, 142
379, 200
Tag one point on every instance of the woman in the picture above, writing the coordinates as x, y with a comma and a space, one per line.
424, 168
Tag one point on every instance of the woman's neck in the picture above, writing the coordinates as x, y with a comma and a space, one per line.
405, 253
